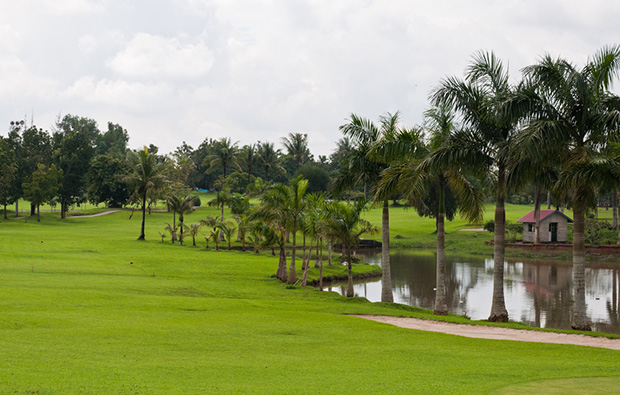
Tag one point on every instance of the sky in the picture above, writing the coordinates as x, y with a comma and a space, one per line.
185, 70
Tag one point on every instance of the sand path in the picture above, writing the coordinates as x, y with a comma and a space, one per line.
491, 332
95, 215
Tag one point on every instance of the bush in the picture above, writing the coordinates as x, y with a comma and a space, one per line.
490, 226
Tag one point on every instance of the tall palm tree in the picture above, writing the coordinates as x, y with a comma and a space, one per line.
414, 174
146, 175
224, 156
296, 145
363, 169
345, 224
250, 158
295, 205
471, 200
574, 113
272, 223
483, 145
269, 159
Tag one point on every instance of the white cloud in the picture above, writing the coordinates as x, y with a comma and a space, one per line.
150, 56
132, 96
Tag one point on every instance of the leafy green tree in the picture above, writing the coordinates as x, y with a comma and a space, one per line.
483, 144
146, 175
43, 186
572, 113
74, 142
317, 176
113, 141
105, 181
8, 171
36, 149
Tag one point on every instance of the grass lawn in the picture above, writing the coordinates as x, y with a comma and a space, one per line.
77, 317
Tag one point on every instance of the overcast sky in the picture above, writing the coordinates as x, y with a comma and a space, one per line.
183, 70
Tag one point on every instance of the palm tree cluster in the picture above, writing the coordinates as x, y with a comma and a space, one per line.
556, 130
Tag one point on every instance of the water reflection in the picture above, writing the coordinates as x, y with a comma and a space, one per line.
538, 293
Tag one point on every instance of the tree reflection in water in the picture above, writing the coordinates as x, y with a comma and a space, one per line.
538, 293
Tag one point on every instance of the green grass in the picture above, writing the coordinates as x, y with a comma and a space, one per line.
76, 317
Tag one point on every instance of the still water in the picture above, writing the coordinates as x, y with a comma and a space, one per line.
538, 293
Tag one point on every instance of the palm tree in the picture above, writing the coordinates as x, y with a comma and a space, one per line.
573, 113
224, 155
361, 168
269, 159
194, 229
185, 205
297, 147
222, 198
271, 224
345, 224
483, 145
471, 200
250, 158
146, 175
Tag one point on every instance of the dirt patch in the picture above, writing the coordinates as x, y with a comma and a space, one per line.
491, 332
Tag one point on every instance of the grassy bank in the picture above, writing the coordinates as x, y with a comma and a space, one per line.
77, 316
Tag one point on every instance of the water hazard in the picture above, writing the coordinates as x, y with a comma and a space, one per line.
538, 293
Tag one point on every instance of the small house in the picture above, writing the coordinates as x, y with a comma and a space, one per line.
553, 226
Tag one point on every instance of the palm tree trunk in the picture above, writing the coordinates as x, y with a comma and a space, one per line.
329, 252
281, 273
318, 254
441, 308
548, 200
537, 215
350, 292
143, 216
174, 226
304, 280
580, 319
498, 306
614, 204
321, 275
292, 276
386, 275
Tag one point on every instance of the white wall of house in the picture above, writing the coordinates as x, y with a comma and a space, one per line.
545, 233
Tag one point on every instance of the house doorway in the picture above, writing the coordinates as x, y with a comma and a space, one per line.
553, 230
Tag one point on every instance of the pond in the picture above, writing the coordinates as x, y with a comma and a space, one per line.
537, 293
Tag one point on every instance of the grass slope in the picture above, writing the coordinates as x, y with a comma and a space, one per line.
76, 317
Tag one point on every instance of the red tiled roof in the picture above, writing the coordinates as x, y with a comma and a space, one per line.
529, 217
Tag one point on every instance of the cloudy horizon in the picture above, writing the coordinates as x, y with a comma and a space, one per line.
185, 70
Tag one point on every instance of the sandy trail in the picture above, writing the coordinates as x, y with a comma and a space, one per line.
491, 332
96, 215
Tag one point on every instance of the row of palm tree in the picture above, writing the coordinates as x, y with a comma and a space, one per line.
555, 129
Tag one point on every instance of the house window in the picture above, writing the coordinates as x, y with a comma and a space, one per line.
530, 227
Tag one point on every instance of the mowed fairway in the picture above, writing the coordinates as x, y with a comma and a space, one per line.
76, 317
